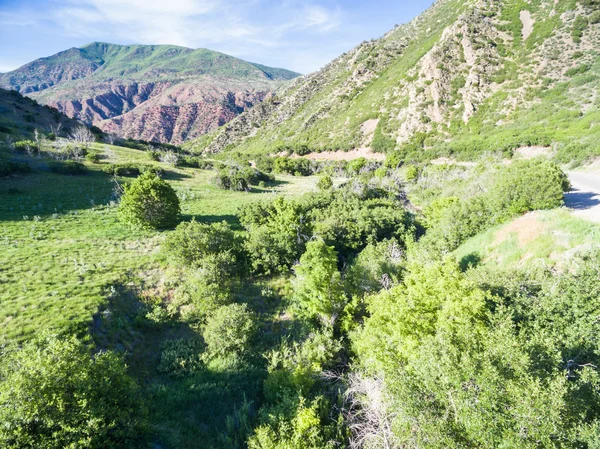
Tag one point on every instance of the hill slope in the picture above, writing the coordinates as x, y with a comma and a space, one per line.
465, 76
20, 116
152, 92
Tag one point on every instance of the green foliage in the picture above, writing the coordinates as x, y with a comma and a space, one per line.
129, 169
239, 179
67, 168
466, 368
229, 331
277, 234
523, 186
318, 287
149, 203
54, 394
192, 242
431, 299
181, 357
577, 70
579, 26
528, 185
304, 431
93, 157
9, 168
296, 167
378, 266
325, 182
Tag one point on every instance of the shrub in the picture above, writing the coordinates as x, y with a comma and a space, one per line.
9, 168
181, 357
318, 287
67, 168
191, 242
239, 179
579, 26
24, 146
54, 394
154, 155
93, 157
296, 167
529, 185
149, 203
325, 182
129, 169
229, 331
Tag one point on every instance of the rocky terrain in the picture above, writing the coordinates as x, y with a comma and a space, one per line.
465, 76
160, 93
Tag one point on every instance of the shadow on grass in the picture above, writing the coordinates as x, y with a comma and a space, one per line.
232, 220
182, 409
169, 175
469, 261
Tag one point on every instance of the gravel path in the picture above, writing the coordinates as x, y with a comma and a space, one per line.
584, 198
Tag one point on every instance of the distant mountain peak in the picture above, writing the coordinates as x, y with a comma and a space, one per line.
163, 92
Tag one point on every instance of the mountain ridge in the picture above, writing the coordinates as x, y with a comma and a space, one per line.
185, 92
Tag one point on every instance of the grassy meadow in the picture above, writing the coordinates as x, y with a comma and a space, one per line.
64, 249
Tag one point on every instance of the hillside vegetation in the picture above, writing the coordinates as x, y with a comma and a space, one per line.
461, 79
163, 93
236, 292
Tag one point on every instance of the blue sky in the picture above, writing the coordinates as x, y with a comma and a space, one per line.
301, 35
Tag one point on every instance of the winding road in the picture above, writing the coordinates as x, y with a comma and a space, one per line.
584, 198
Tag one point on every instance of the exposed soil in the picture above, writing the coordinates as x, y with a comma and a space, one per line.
528, 22
526, 228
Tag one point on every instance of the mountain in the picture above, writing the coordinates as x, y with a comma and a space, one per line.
152, 92
464, 77
20, 116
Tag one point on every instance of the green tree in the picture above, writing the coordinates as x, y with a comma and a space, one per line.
325, 182
229, 331
55, 395
150, 203
192, 242
318, 287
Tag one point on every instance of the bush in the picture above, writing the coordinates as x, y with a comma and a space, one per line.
93, 157
129, 169
67, 168
9, 168
54, 394
24, 146
229, 331
529, 185
192, 242
318, 287
149, 203
325, 182
239, 179
296, 167
181, 357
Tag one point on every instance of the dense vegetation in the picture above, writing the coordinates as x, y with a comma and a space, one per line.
155, 297
334, 317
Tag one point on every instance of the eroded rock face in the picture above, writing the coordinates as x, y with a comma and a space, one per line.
162, 112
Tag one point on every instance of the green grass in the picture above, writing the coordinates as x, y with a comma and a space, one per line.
63, 247
544, 237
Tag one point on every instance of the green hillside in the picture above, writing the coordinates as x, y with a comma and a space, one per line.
462, 79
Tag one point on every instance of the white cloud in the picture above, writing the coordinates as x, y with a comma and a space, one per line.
272, 32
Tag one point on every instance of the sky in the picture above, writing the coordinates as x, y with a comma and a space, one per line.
299, 35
